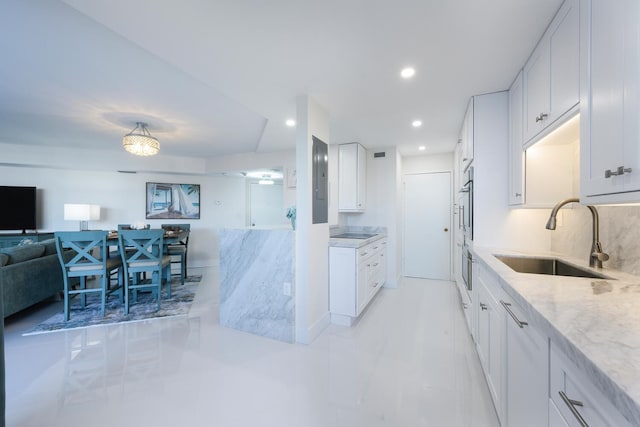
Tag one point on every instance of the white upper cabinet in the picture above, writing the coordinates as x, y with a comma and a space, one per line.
610, 92
466, 136
516, 152
551, 75
352, 177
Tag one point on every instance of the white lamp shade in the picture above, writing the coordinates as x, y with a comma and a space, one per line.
73, 212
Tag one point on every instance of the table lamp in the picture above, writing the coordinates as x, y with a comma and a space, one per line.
82, 213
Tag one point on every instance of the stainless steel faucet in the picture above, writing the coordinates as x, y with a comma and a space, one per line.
597, 256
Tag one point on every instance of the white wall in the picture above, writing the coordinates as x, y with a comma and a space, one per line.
65, 175
285, 160
381, 209
430, 163
312, 240
122, 200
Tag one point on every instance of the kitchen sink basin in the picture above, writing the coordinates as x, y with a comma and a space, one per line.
550, 266
353, 236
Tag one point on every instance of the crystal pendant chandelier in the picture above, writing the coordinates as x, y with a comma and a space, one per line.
140, 142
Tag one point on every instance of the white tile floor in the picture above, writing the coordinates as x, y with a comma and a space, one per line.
409, 362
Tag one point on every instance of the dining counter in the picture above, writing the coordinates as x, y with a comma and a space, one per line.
595, 322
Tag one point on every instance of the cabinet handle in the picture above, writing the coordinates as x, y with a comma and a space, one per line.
363, 253
464, 305
376, 284
620, 171
483, 306
518, 194
541, 117
519, 322
375, 247
375, 264
572, 407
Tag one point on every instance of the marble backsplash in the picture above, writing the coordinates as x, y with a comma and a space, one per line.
619, 234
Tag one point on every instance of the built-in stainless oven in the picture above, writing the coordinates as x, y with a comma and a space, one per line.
467, 268
467, 204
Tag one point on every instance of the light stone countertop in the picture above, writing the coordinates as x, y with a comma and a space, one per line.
595, 322
353, 243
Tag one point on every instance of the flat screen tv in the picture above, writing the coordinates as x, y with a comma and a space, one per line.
18, 210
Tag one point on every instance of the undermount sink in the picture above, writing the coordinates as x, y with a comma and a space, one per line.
549, 266
353, 236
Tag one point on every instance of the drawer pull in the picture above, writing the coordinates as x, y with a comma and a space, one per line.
572, 407
483, 306
541, 117
375, 264
620, 171
363, 253
375, 247
519, 322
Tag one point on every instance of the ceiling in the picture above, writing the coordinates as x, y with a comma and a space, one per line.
215, 77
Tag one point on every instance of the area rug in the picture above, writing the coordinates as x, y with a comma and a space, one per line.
145, 308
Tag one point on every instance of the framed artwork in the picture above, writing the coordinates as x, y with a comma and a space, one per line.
173, 201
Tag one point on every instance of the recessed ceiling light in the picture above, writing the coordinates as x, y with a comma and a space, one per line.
290, 122
416, 123
407, 73
422, 148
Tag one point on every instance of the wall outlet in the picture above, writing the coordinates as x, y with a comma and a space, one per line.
286, 289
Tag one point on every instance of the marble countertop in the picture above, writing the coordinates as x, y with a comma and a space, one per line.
353, 243
595, 322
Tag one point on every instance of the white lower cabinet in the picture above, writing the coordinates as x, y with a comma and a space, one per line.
574, 400
527, 367
355, 276
490, 334
531, 381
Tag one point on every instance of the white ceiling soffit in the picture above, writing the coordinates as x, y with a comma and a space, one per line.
67, 80
253, 58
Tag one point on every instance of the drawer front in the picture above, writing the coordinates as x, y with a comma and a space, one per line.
577, 399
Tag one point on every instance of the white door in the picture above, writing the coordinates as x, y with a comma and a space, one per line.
427, 224
267, 206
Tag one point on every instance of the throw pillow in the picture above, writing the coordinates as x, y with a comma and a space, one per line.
23, 253
4, 259
49, 246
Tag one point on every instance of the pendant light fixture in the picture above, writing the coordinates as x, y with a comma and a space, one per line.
140, 142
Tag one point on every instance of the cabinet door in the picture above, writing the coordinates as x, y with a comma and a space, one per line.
555, 417
516, 152
564, 60
467, 136
536, 89
527, 372
482, 327
362, 291
610, 133
361, 189
348, 176
352, 177
490, 335
552, 73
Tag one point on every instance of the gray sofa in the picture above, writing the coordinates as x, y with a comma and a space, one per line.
29, 274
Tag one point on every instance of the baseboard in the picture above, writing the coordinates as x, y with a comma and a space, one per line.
314, 330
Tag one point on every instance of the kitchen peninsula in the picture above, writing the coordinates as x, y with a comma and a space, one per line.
257, 281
